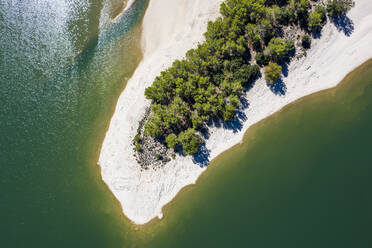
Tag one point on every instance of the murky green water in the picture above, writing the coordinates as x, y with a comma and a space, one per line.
302, 178
63, 65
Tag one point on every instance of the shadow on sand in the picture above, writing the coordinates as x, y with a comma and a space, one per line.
202, 157
343, 24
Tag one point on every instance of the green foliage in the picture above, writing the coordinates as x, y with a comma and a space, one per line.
137, 138
273, 72
229, 112
171, 140
209, 82
299, 9
280, 15
196, 120
253, 36
322, 11
314, 21
154, 126
138, 148
290, 47
245, 74
262, 59
317, 18
279, 50
336, 8
234, 100
266, 30
190, 141
244, 10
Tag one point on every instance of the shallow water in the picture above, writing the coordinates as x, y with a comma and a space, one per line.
302, 178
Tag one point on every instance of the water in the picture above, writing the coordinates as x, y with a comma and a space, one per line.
63, 65
302, 178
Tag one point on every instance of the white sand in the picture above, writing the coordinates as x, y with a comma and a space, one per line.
170, 28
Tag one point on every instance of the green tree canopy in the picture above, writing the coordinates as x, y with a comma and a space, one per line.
336, 8
273, 72
314, 21
210, 81
171, 140
278, 50
190, 141
229, 112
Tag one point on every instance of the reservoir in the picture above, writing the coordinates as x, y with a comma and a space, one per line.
301, 178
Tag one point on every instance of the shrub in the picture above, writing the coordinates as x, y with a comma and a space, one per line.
137, 138
138, 148
273, 72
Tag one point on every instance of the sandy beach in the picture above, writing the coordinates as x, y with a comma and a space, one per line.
170, 28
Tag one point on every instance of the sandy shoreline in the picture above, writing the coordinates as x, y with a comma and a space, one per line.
170, 28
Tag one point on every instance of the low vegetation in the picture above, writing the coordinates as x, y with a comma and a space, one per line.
210, 81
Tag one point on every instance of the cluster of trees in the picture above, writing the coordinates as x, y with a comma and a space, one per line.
209, 82
336, 8
317, 18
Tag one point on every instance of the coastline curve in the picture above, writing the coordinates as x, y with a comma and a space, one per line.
143, 193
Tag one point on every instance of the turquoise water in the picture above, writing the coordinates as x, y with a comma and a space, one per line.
302, 178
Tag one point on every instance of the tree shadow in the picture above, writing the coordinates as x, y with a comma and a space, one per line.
285, 70
244, 104
249, 85
236, 124
201, 158
278, 87
343, 24
316, 34
215, 122
204, 131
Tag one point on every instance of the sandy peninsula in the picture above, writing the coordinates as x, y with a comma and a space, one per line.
170, 28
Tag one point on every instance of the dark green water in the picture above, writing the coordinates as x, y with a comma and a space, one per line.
63, 65
302, 178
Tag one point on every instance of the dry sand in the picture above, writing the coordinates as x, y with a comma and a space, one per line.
170, 28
